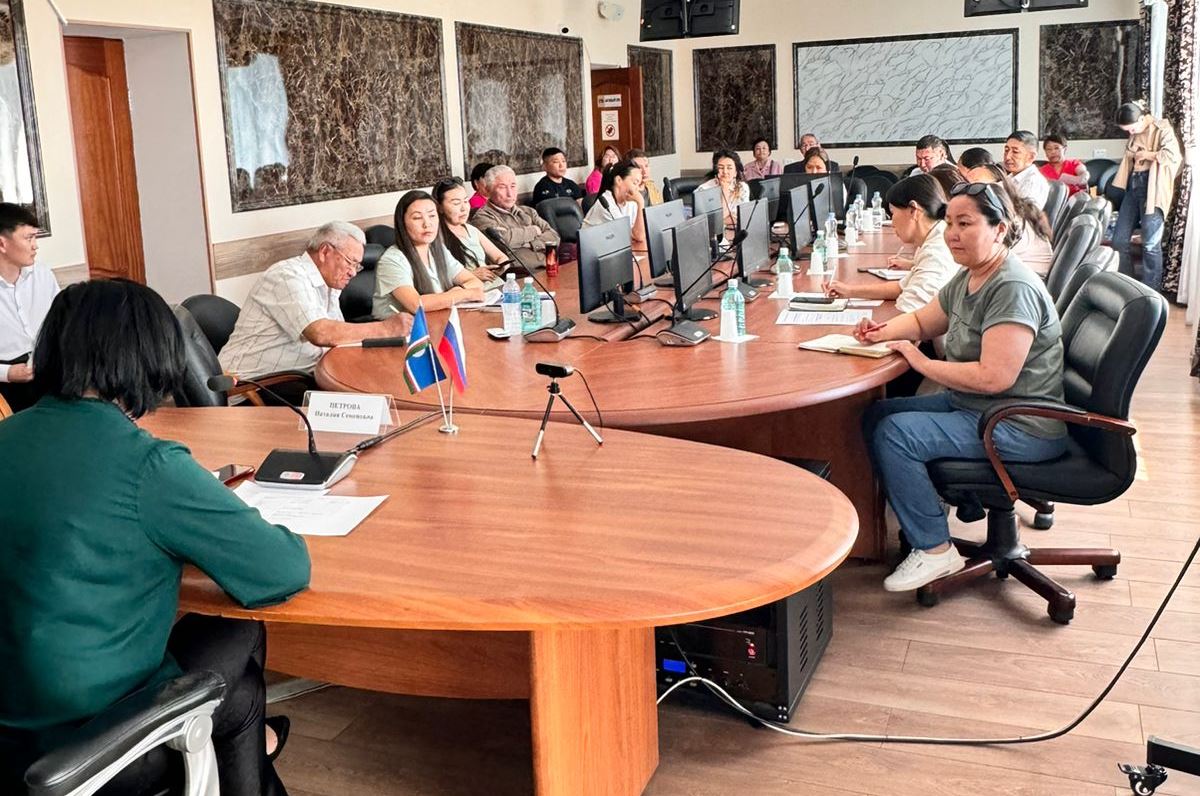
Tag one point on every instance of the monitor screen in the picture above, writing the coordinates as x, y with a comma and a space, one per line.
663, 19
605, 261
755, 252
660, 245
799, 221
693, 268
713, 17
707, 202
678, 19
837, 198
820, 202
767, 188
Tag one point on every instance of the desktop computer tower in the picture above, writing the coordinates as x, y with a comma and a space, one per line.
764, 657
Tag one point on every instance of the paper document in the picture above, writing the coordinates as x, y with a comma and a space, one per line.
309, 513
865, 302
845, 344
805, 318
491, 298
890, 274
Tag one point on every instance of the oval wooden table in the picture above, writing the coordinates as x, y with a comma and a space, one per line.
489, 575
766, 396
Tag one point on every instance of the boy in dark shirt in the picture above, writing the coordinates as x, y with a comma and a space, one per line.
555, 183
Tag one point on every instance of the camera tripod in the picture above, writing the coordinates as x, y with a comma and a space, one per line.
556, 394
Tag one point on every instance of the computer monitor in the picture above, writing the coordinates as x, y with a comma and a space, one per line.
799, 221
707, 202
606, 271
767, 188
660, 244
837, 199
754, 253
693, 268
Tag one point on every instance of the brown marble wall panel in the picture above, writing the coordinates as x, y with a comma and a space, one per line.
735, 96
1087, 71
658, 104
521, 92
324, 101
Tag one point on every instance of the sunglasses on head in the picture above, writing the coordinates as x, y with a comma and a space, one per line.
975, 189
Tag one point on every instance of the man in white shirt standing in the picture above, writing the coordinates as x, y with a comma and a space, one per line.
25, 295
1020, 150
292, 314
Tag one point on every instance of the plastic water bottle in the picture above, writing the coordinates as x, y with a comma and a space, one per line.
860, 215
831, 237
510, 305
785, 284
817, 266
851, 226
531, 307
877, 211
733, 312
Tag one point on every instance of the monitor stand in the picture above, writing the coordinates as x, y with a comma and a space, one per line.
698, 314
617, 314
755, 282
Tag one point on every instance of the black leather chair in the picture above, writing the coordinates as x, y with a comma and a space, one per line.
858, 187
1056, 200
1110, 330
357, 299
877, 182
1100, 173
216, 316
1101, 209
381, 234
564, 215
1081, 239
1114, 195
1086, 270
161, 734
681, 188
1076, 205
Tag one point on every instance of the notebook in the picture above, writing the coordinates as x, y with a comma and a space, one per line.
845, 344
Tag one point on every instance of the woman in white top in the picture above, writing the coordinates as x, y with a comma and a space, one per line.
731, 181
621, 197
1034, 247
419, 271
917, 205
465, 243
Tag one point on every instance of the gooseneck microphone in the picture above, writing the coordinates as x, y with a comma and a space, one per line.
309, 469
562, 326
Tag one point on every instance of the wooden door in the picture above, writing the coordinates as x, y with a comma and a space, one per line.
99, 95
617, 109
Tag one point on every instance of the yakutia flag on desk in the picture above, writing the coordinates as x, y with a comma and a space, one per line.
454, 356
421, 366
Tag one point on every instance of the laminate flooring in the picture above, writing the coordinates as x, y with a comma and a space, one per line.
986, 662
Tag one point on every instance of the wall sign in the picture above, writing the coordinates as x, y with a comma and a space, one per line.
608, 101
610, 127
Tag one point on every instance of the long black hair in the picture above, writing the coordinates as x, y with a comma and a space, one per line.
113, 337
1027, 212
421, 280
621, 169
453, 243
922, 189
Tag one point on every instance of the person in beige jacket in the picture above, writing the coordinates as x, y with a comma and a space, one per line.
1147, 173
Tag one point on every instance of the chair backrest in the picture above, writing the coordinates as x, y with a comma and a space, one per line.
1081, 238
200, 364
877, 182
1075, 205
357, 299
1085, 271
588, 201
381, 234
215, 316
1109, 331
1056, 200
1100, 209
1100, 171
682, 188
858, 187
564, 215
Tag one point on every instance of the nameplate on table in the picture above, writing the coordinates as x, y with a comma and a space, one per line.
348, 412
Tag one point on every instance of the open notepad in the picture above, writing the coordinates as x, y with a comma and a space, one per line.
845, 344
890, 274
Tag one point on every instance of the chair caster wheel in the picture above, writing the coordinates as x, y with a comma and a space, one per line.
1001, 574
1062, 616
927, 599
1043, 520
1105, 571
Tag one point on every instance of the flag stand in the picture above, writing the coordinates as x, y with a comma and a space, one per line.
448, 426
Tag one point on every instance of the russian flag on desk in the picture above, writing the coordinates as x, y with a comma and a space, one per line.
421, 366
454, 356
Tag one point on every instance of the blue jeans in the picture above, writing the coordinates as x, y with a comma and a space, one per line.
1133, 214
904, 434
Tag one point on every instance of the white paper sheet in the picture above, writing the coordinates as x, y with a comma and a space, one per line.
843, 318
314, 513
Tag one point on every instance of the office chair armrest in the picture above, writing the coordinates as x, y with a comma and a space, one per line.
1051, 409
136, 724
270, 380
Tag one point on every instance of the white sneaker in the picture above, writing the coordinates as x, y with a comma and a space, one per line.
921, 568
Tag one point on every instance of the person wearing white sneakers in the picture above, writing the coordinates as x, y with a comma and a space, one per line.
1003, 342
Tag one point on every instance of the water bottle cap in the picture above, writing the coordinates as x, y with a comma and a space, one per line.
733, 283
529, 280
511, 278
876, 195
783, 251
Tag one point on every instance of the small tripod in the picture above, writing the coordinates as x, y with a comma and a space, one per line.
556, 392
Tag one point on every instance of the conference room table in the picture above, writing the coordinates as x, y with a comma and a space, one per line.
765, 396
487, 574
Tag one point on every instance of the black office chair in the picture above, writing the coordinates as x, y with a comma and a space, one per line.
1100, 173
877, 182
1056, 200
681, 188
858, 187
1114, 195
1081, 239
215, 315
160, 734
1086, 270
564, 216
382, 234
358, 296
1101, 209
1076, 205
1110, 330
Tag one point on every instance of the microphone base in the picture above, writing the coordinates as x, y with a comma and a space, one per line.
683, 333
302, 470
698, 314
749, 292
641, 294
551, 334
756, 282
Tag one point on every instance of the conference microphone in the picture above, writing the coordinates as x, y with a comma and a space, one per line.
310, 469
547, 334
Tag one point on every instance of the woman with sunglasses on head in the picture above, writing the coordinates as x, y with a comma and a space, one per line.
464, 242
1003, 341
419, 271
1033, 248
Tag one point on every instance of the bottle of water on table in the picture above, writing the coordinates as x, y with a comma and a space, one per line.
510, 305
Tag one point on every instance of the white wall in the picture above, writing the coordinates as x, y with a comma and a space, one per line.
784, 22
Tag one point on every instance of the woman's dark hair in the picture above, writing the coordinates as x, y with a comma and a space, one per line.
453, 243
947, 175
600, 156
1027, 211
760, 140
1129, 113
975, 157
480, 170
421, 280
737, 163
621, 169
113, 337
816, 152
922, 189
1055, 138
994, 203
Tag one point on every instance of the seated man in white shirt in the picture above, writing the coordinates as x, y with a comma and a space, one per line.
1020, 150
25, 295
292, 315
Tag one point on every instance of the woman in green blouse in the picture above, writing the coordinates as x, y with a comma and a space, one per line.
97, 519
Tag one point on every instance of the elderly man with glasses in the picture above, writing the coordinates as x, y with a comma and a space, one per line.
292, 314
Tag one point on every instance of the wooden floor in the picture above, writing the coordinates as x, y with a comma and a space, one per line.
986, 662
